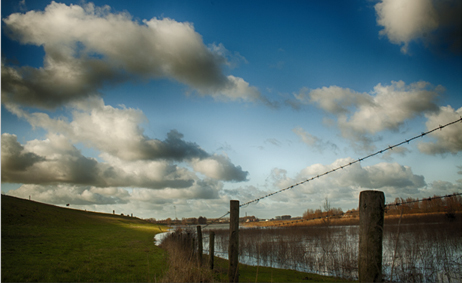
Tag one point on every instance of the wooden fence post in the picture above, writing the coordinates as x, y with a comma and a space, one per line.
199, 244
233, 249
212, 248
371, 214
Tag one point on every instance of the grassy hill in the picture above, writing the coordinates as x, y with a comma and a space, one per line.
47, 243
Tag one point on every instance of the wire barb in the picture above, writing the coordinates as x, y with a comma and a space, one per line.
349, 164
424, 199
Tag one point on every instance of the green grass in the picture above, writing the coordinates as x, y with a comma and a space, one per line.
44, 243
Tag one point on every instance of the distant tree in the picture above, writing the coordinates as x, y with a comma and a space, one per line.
308, 214
326, 205
202, 220
317, 213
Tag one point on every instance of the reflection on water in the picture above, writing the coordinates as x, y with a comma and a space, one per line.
430, 252
158, 238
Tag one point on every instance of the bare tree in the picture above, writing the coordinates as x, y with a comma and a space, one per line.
326, 205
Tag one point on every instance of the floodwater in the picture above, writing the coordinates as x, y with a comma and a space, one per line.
430, 252
159, 237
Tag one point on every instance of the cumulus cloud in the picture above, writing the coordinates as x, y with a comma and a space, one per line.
434, 22
384, 176
448, 140
201, 190
48, 161
344, 185
88, 47
115, 131
392, 105
440, 188
54, 163
219, 167
88, 195
334, 99
71, 194
386, 107
15, 157
131, 158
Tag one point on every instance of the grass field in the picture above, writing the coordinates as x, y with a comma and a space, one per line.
45, 243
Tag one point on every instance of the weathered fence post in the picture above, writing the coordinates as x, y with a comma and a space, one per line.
371, 213
212, 248
199, 244
233, 249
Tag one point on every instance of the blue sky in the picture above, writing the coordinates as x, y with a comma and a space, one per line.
148, 107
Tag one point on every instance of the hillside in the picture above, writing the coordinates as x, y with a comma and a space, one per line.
47, 243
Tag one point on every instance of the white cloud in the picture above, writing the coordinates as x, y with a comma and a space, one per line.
432, 21
387, 107
334, 99
130, 157
202, 198
115, 131
343, 186
391, 106
49, 161
87, 47
219, 167
56, 160
449, 139
203, 189
441, 188
71, 194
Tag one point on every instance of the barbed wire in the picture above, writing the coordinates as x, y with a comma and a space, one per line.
356, 212
353, 162
390, 147
421, 200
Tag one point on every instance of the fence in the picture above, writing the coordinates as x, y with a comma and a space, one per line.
372, 208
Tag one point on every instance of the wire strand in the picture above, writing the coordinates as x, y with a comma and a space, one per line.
390, 147
440, 127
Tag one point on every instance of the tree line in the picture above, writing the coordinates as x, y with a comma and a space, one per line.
433, 204
183, 221
448, 204
324, 211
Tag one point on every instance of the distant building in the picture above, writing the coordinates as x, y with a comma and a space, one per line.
285, 217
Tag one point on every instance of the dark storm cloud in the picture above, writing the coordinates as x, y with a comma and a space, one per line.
173, 147
66, 165
14, 157
56, 161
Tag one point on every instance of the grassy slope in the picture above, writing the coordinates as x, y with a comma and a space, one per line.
47, 243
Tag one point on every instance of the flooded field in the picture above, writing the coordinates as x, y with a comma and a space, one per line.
430, 252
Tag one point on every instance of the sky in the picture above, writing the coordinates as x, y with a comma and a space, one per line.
173, 108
